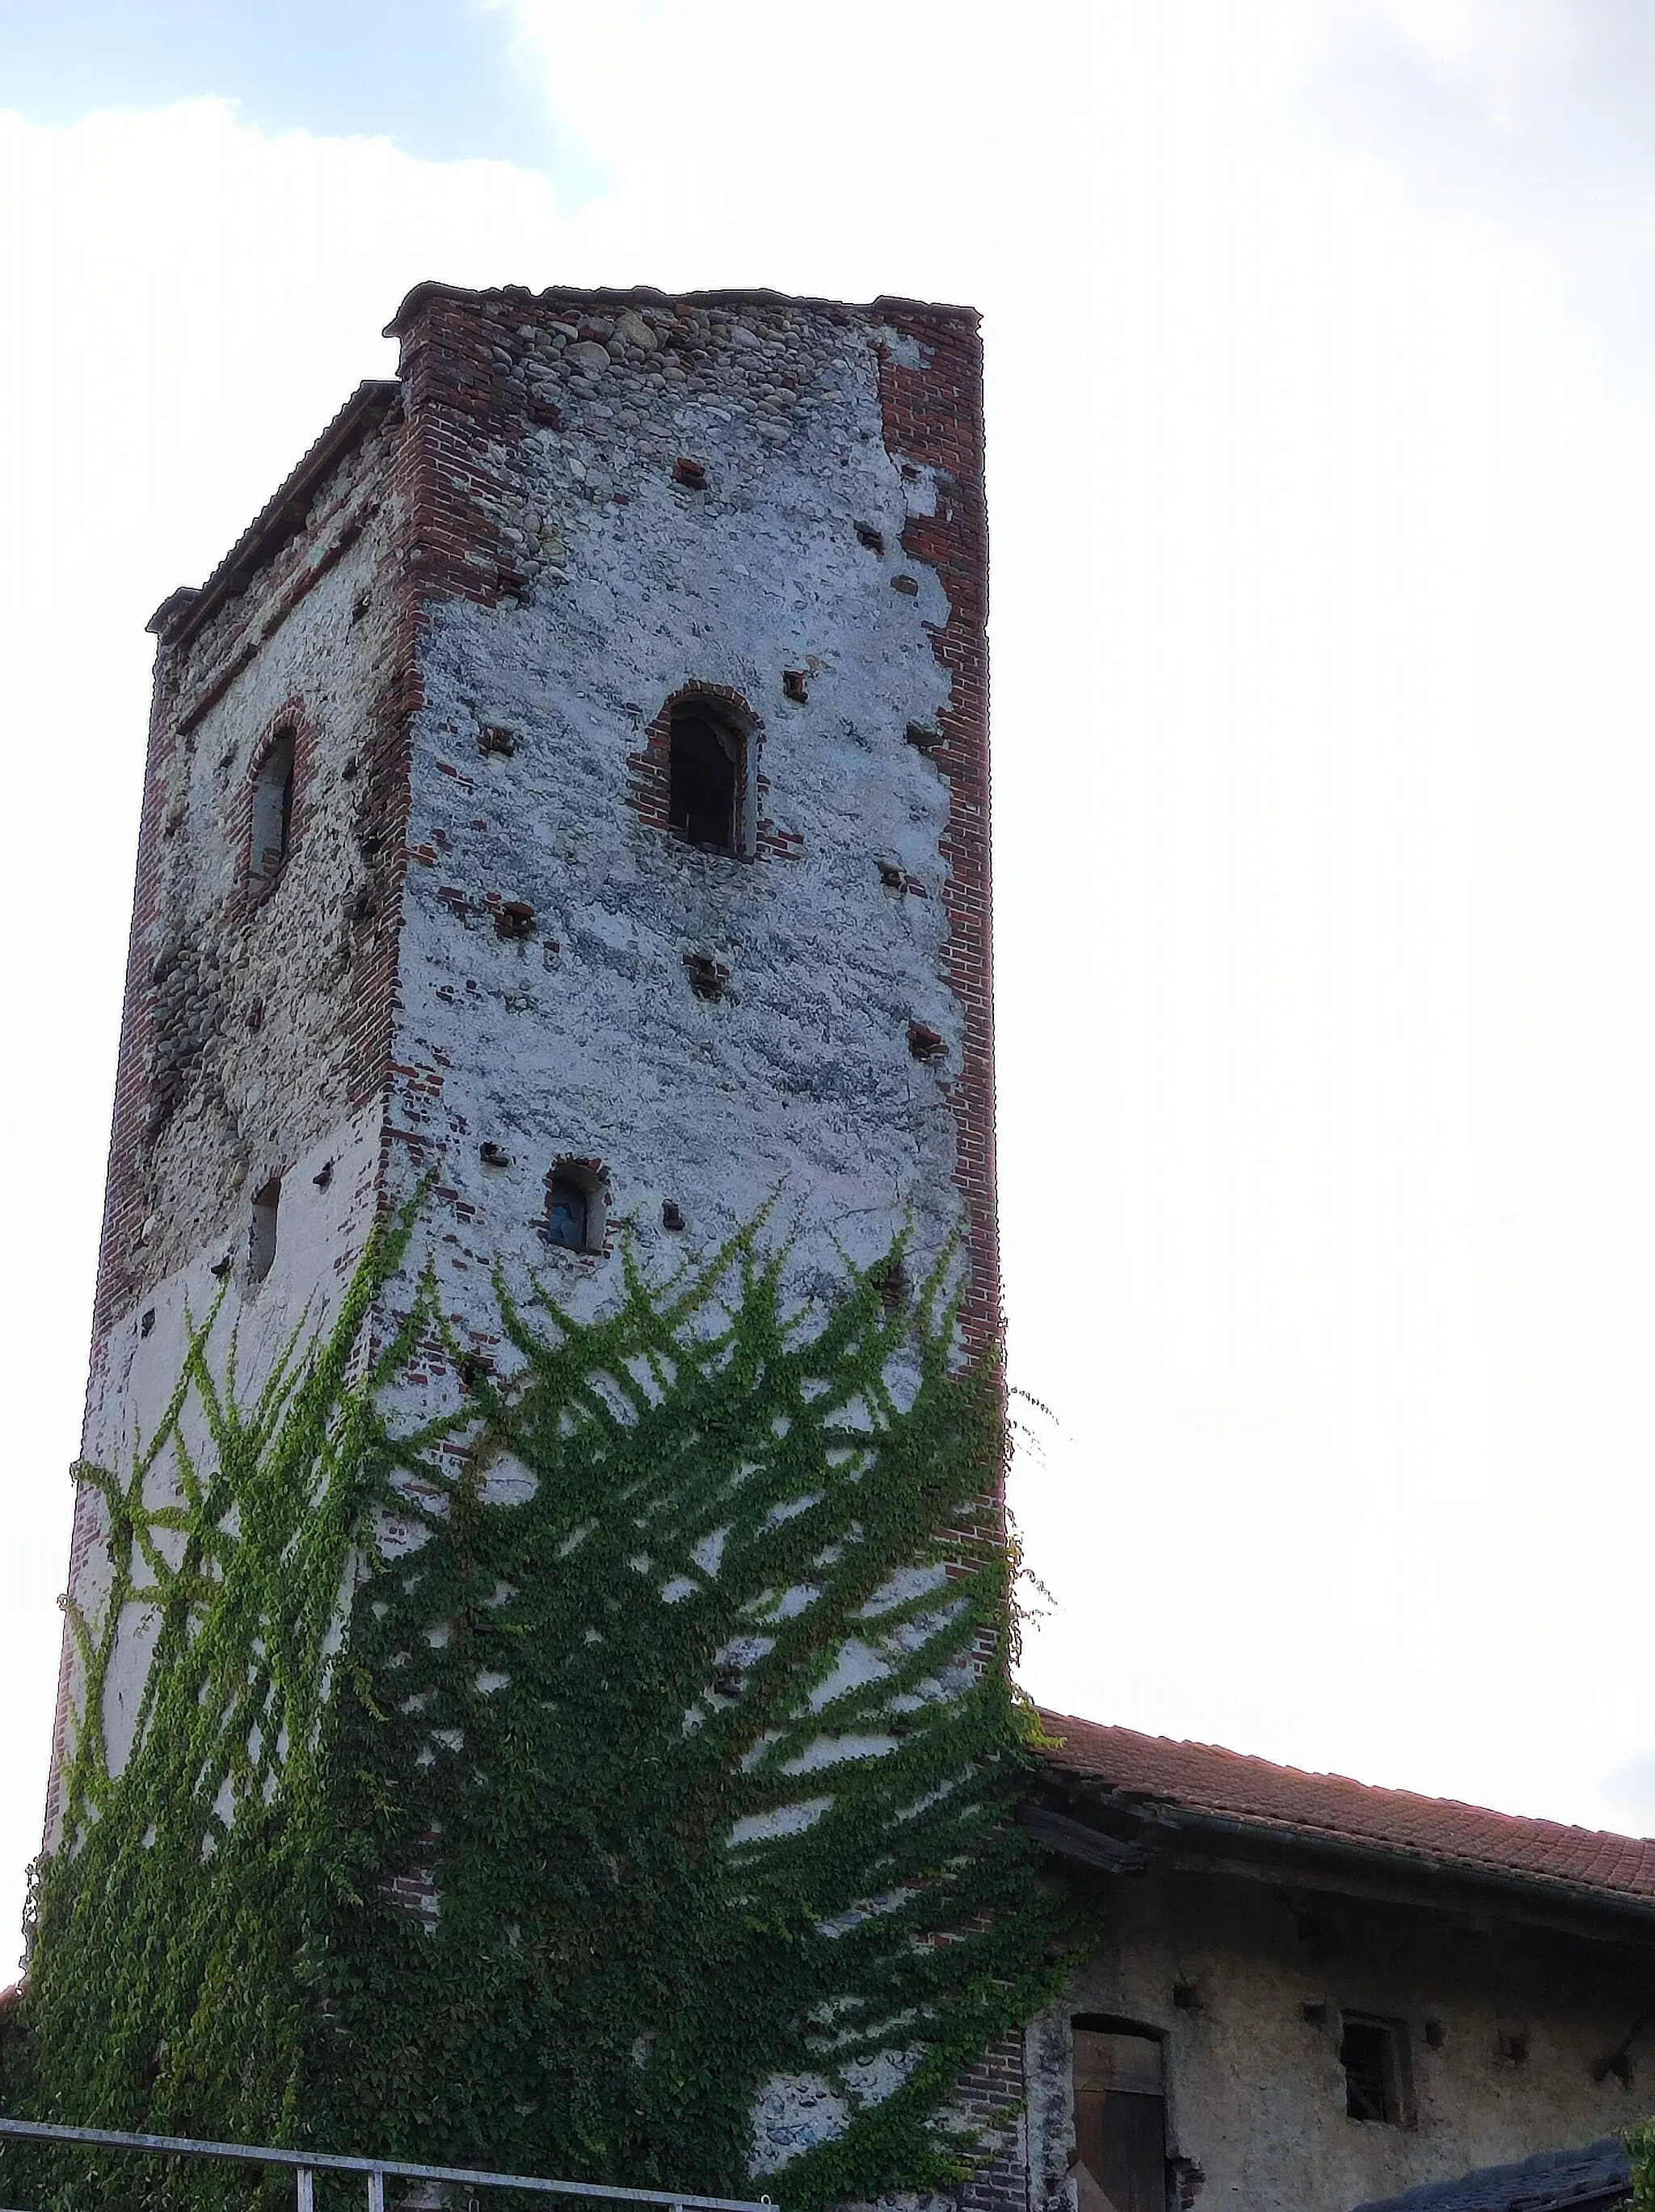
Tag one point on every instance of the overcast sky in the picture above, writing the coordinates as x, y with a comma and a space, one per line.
1321, 372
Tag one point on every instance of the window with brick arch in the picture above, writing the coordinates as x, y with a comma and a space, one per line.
706, 801
272, 823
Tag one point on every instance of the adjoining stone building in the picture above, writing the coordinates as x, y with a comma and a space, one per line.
1317, 1994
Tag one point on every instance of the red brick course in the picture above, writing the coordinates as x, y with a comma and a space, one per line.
933, 418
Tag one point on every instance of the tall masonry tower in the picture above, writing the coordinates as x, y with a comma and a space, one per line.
568, 800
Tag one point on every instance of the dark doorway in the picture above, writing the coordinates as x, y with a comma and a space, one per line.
1120, 2121
704, 802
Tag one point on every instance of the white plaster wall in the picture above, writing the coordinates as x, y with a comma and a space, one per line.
799, 1086
1256, 2093
323, 1229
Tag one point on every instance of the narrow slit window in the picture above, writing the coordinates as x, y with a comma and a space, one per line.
707, 760
1120, 2121
272, 825
261, 1238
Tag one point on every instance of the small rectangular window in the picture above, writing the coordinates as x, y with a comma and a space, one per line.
1373, 2054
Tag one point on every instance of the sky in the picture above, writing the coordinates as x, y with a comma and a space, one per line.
1320, 345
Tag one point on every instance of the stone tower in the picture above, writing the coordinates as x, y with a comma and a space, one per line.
410, 889
571, 790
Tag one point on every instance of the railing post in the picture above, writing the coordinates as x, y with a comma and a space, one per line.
306, 2191
376, 2192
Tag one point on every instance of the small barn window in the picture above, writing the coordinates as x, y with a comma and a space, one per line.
707, 777
1120, 2119
1373, 2055
272, 825
574, 1208
261, 1237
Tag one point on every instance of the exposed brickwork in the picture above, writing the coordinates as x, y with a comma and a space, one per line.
992, 2092
463, 407
195, 921
934, 420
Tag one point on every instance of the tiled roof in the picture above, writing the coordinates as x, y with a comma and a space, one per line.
1204, 1781
1556, 2181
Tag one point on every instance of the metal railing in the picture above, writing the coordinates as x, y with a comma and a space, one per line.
306, 2164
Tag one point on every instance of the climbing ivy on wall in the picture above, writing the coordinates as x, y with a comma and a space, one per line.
654, 1798
1640, 2145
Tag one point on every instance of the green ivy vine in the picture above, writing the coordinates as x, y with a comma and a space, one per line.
1640, 2149
666, 1756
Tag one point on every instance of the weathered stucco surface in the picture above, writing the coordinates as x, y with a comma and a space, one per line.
587, 1040
136, 1367
250, 1049
1255, 2095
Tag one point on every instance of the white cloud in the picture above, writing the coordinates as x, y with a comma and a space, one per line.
1551, 92
1630, 1790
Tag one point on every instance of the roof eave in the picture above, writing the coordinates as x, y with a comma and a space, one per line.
1178, 1836
182, 612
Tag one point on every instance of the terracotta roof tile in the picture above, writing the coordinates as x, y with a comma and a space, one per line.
1202, 1779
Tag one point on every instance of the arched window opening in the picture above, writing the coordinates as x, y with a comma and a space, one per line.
261, 1237
273, 810
1120, 2117
707, 777
574, 1208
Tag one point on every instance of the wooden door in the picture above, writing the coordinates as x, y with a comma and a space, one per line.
1120, 2123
